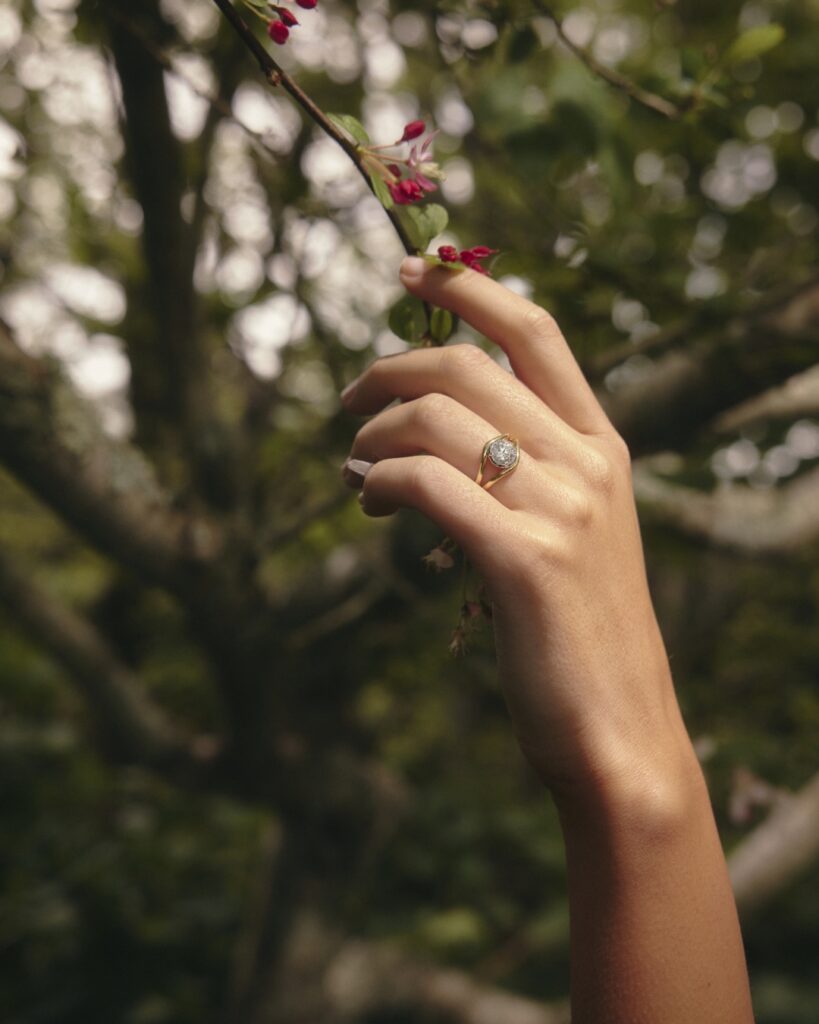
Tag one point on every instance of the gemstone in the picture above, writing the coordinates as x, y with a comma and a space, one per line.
503, 453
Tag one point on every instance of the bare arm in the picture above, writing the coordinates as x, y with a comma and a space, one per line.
655, 936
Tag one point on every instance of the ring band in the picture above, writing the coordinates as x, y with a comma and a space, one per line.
503, 452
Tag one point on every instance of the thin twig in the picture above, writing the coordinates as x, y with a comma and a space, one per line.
642, 96
275, 75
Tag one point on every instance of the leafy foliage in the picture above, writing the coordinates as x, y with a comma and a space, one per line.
626, 225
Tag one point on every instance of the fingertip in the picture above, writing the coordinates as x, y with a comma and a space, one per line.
413, 269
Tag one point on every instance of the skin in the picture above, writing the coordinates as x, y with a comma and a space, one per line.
654, 930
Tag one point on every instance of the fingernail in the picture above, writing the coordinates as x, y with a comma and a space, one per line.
360, 497
412, 268
346, 392
358, 466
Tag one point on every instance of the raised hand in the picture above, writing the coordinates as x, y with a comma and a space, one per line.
655, 938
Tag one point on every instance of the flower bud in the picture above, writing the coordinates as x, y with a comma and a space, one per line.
308, 5
287, 17
412, 131
278, 31
448, 253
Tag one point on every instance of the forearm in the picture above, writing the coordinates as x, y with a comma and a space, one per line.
654, 931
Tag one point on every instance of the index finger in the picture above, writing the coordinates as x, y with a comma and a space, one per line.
537, 350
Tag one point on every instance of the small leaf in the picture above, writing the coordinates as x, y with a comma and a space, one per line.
351, 126
440, 325
754, 43
407, 320
426, 222
382, 192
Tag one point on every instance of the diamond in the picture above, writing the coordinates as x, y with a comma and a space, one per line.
503, 453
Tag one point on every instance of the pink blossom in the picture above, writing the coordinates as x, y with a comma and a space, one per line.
405, 192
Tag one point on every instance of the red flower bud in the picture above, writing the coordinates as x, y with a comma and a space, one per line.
278, 31
480, 252
396, 170
308, 5
448, 253
412, 131
287, 17
406, 191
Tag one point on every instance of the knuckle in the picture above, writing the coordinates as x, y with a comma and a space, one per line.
424, 475
540, 323
599, 470
463, 359
576, 508
546, 556
620, 450
431, 409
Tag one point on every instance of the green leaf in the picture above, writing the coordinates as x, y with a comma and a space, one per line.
351, 126
407, 319
440, 325
754, 43
382, 192
425, 223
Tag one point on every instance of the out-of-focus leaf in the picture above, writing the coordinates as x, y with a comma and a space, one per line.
382, 192
407, 320
425, 222
441, 324
351, 126
754, 43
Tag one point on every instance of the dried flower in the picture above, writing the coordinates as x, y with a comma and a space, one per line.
438, 559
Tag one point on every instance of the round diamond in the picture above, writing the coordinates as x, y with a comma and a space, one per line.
503, 453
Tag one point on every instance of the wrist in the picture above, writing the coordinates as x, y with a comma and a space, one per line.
647, 793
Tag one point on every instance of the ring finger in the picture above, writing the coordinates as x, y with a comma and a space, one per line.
468, 375
438, 425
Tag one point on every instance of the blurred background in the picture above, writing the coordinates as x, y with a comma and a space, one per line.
242, 777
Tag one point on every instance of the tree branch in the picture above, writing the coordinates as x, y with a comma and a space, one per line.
777, 851
777, 520
797, 397
131, 727
51, 441
168, 368
369, 977
275, 75
663, 406
642, 96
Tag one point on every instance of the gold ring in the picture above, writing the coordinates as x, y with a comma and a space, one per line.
503, 452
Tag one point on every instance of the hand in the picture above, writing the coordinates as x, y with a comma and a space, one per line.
557, 541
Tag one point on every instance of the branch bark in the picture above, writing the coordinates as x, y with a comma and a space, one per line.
367, 977
764, 522
130, 726
168, 362
649, 100
665, 405
51, 441
783, 847
275, 75
797, 397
